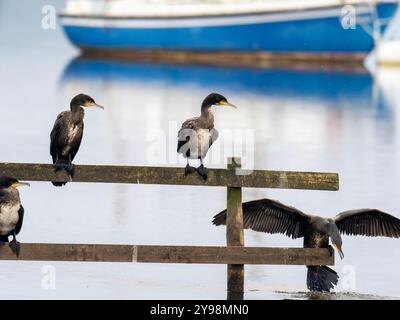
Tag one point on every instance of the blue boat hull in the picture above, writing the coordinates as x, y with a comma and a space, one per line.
300, 31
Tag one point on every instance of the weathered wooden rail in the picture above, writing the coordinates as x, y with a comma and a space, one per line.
175, 176
166, 254
235, 254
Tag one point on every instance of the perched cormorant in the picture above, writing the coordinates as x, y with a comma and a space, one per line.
11, 211
198, 134
271, 216
66, 135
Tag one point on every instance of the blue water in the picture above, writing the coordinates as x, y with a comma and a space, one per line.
302, 119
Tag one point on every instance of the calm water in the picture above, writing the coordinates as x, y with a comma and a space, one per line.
313, 120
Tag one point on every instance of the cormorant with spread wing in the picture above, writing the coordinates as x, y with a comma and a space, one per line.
66, 135
271, 216
11, 211
198, 134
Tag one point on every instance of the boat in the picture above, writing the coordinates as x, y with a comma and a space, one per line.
287, 26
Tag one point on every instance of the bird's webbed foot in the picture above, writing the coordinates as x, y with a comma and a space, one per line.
189, 170
15, 246
202, 171
331, 250
57, 167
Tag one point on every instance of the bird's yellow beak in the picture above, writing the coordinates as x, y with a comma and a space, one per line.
18, 184
226, 103
92, 104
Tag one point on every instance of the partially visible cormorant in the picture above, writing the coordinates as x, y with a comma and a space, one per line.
66, 135
198, 134
271, 216
11, 211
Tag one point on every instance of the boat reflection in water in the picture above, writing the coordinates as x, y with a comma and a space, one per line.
327, 85
309, 108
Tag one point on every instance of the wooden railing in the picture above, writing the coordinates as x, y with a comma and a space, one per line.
235, 254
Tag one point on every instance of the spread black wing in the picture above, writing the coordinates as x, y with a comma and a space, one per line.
368, 222
270, 216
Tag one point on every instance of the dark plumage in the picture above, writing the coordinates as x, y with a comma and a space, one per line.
271, 216
11, 211
198, 134
66, 136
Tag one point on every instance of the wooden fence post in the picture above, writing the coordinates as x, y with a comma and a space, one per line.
234, 235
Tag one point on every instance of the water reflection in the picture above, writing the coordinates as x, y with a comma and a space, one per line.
324, 84
330, 296
151, 97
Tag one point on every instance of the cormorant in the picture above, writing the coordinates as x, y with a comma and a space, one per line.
11, 211
271, 216
66, 135
198, 134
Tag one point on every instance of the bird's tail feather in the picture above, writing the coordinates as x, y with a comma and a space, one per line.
321, 278
58, 184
